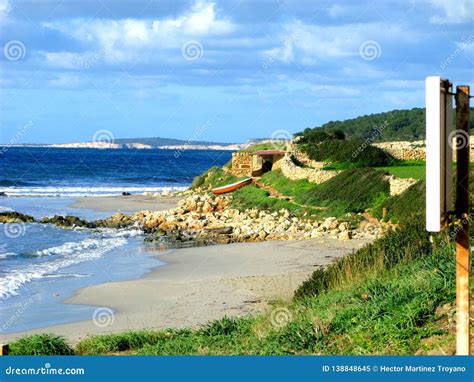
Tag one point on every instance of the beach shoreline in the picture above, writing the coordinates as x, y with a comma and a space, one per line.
128, 204
200, 284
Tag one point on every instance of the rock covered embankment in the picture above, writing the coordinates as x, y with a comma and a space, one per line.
205, 219
213, 219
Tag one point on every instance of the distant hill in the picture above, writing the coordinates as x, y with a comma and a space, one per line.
395, 125
158, 142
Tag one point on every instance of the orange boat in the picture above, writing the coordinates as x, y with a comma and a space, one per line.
231, 187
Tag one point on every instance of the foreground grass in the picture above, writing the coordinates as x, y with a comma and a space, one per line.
390, 313
380, 300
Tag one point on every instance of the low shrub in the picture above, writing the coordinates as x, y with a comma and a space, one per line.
354, 151
41, 344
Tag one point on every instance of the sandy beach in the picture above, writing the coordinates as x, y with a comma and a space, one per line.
127, 204
201, 284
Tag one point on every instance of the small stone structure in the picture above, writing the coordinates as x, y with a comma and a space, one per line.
256, 163
241, 164
313, 175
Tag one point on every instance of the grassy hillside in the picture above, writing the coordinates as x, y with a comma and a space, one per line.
393, 125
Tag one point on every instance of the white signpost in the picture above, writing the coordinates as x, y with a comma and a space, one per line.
439, 190
439, 153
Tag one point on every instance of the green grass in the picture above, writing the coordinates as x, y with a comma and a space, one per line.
253, 197
214, 177
41, 344
407, 169
265, 146
354, 190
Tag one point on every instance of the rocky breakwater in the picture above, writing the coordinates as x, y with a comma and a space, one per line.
204, 219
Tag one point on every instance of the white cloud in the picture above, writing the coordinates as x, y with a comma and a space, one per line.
4, 10
454, 11
311, 44
201, 20
64, 81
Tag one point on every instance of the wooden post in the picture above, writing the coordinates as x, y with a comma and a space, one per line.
4, 349
462, 214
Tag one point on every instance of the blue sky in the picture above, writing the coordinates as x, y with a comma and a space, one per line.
220, 71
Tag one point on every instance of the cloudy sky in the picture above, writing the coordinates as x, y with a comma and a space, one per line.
220, 71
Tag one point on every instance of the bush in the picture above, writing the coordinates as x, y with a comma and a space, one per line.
41, 344
355, 151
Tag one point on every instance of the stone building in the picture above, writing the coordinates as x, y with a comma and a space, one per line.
256, 163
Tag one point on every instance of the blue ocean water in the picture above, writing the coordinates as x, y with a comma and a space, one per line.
41, 265
38, 171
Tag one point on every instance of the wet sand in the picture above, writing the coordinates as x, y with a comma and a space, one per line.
201, 284
127, 204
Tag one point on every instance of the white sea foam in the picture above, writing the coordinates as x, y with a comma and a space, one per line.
85, 191
63, 256
4, 256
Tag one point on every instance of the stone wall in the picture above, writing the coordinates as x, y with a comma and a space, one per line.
242, 164
399, 185
416, 150
294, 172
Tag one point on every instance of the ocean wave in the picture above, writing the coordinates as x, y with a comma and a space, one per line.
15, 183
4, 256
65, 255
85, 191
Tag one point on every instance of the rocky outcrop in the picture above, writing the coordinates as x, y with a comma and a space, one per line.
206, 219
15, 217
67, 221
313, 175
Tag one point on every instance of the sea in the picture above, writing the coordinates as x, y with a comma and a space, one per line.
42, 265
